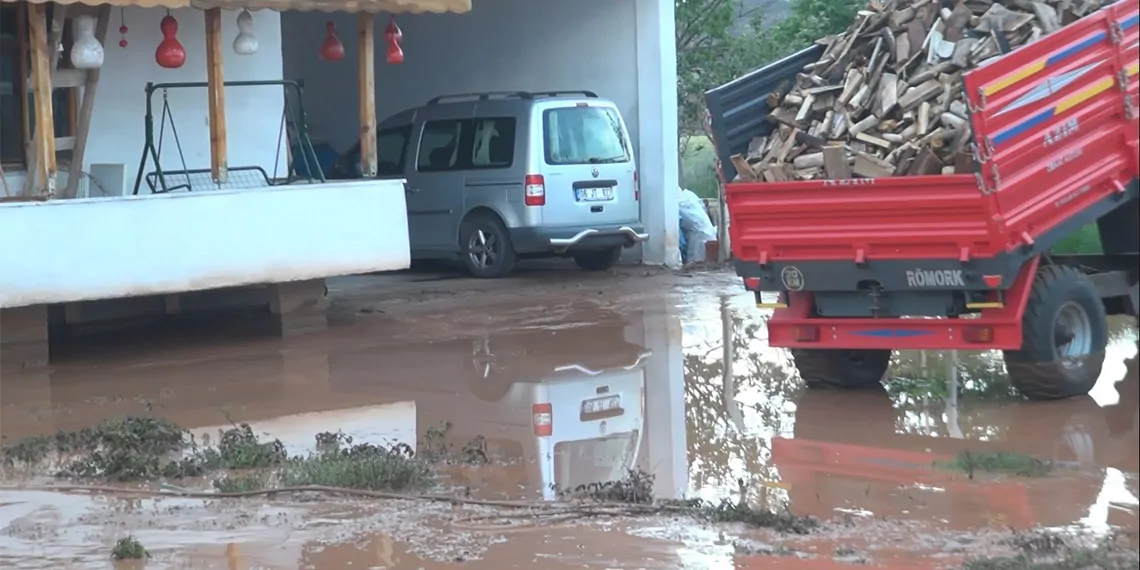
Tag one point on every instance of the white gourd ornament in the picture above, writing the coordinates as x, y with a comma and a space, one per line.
245, 43
86, 52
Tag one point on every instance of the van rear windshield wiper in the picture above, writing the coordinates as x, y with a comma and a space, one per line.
610, 160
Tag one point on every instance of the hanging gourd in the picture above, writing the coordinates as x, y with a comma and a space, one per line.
86, 52
170, 53
393, 34
331, 48
245, 43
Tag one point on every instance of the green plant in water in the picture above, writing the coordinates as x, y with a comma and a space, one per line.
129, 548
1002, 462
363, 466
239, 483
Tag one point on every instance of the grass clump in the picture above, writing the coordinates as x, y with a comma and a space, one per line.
1002, 462
239, 483
129, 548
361, 466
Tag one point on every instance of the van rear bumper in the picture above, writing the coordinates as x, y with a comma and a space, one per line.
577, 237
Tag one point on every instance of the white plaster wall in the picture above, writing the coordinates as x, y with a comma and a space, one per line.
499, 45
169, 243
253, 113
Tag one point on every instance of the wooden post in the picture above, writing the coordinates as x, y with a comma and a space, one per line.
86, 108
216, 95
366, 72
43, 140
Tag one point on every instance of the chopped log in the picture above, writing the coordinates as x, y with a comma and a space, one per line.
916, 95
868, 166
888, 95
876, 141
925, 163
811, 160
835, 162
869, 122
743, 168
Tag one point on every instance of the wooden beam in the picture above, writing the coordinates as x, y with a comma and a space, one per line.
366, 74
43, 141
86, 109
216, 95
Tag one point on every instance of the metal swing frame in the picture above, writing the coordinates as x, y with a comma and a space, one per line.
297, 118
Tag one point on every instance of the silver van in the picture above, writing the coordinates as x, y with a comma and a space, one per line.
495, 177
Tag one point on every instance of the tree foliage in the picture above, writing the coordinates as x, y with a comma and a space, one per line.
719, 40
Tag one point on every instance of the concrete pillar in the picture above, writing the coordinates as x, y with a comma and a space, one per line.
298, 307
665, 427
23, 338
657, 159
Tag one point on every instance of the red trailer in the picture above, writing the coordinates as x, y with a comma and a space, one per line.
865, 266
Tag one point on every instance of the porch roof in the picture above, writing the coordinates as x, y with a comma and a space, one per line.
374, 6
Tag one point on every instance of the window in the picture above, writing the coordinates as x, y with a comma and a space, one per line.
584, 135
16, 99
439, 146
391, 147
494, 143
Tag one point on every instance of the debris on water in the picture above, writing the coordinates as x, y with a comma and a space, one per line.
1043, 550
1001, 462
129, 548
239, 483
636, 488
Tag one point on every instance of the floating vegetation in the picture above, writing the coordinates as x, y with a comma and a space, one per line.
129, 548
1002, 462
1051, 551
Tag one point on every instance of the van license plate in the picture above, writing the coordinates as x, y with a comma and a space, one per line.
593, 194
600, 405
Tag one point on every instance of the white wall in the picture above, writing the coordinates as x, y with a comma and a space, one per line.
499, 45
253, 113
102, 248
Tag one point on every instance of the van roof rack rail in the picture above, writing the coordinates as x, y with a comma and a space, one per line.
488, 95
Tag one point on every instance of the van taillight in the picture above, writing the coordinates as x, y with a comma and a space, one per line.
636, 187
535, 190
542, 418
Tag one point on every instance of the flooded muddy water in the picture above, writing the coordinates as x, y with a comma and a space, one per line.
564, 388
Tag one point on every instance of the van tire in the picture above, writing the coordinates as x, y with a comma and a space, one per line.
499, 258
1063, 301
597, 259
821, 368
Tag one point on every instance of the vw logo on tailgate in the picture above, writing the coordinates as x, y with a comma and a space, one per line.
595, 172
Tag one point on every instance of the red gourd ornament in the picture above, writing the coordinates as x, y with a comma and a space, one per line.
170, 53
393, 34
331, 48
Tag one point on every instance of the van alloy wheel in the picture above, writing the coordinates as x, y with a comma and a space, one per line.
483, 249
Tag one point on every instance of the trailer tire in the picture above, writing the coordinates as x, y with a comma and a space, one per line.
841, 368
1064, 313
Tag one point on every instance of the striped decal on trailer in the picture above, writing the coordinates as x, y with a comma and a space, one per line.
1060, 107
1026, 71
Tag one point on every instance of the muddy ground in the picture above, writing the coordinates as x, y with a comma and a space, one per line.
662, 375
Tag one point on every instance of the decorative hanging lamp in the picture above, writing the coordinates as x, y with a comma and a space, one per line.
331, 49
86, 52
170, 53
394, 35
245, 43
123, 29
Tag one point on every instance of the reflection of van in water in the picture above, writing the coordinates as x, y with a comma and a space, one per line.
566, 407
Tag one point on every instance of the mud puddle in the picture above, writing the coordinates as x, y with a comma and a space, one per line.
555, 391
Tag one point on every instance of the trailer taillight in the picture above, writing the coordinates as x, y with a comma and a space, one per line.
992, 281
535, 186
807, 333
751, 283
978, 334
542, 416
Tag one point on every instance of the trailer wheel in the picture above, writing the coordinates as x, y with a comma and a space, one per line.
1065, 332
841, 368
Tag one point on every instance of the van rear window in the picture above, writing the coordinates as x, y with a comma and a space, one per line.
584, 135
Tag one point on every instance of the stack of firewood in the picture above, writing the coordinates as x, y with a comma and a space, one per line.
886, 97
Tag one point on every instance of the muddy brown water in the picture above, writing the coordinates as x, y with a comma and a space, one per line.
635, 374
